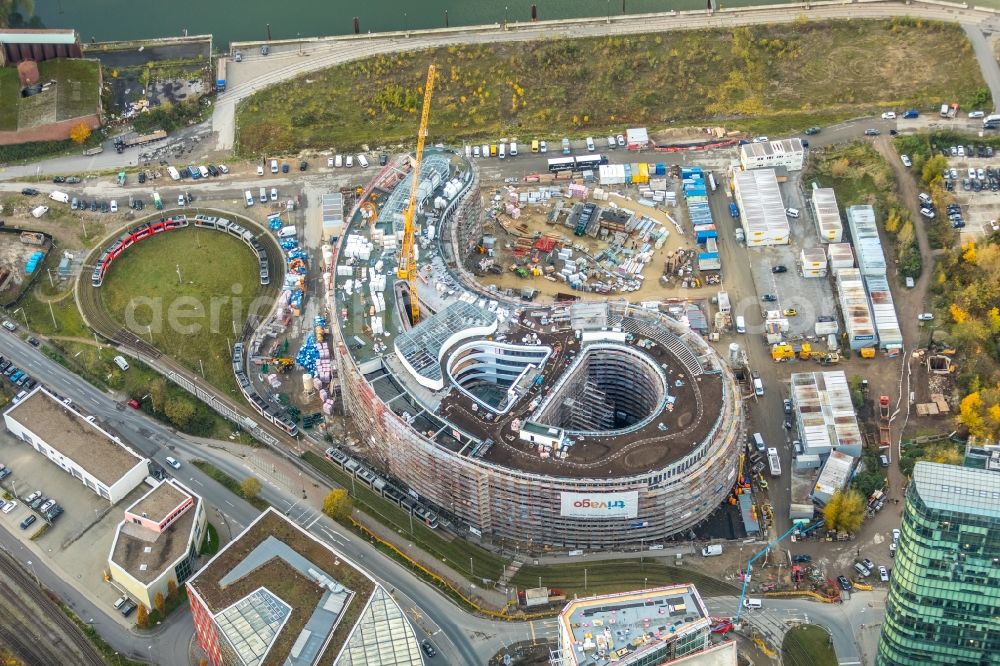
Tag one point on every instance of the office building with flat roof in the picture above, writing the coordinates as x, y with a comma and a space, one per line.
650, 627
78, 446
276, 595
944, 596
158, 541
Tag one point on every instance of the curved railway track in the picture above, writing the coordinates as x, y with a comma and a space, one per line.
96, 315
28, 646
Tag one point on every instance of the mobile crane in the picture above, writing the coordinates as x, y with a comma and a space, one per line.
407, 268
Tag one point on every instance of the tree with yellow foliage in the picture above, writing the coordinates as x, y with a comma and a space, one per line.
958, 314
979, 412
337, 504
969, 252
845, 511
79, 132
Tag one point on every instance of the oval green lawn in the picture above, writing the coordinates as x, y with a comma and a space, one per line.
190, 320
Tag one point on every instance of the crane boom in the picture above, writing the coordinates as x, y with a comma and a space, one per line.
407, 269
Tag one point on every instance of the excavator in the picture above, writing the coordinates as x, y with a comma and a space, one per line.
407, 268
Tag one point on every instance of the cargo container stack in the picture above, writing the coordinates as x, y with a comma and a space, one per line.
840, 256
762, 211
827, 214
884, 311
857, 313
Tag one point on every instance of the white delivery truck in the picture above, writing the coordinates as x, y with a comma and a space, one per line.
741, 324
711, 551
61, 197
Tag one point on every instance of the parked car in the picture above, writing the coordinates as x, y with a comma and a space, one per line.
905, 159
883, 574
872, 132
30, 192
28, 522
260, 170
844, 583
896, 534
790, 312
787, 404
779, 269
621, 140
769, 298
173, 462
812, 130
9, 506
802, 558
925, 316
428, 649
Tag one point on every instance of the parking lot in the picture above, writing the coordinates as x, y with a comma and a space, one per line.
980, 208
809, 297
79, 540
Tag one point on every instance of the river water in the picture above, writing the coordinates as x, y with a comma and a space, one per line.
237, 20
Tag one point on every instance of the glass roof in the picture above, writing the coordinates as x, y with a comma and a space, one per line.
252, 623
383, 637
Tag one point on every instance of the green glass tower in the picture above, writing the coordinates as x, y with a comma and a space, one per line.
944, 597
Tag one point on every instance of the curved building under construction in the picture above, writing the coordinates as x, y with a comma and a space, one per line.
589, 425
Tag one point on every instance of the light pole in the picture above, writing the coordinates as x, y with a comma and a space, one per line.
21, 310
796, 525
35, 574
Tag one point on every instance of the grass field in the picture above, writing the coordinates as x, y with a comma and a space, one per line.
76, 94
190, 321
808, 645
616, 576
76, 87
10, 95
788, 76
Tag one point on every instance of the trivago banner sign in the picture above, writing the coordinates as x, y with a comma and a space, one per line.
600, 505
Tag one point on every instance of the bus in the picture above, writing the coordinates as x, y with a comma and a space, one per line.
561, 164
220, 77
157, 201
591, 162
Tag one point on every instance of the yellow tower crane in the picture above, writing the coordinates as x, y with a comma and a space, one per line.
407, 269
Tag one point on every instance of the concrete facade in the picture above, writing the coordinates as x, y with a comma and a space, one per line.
787, 153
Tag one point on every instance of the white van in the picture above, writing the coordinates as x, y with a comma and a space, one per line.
249, 197
758, 442
263, 195
502, 150
741, 324
287, 232
753, 604
61, 197
758, 386
362, 161
711, 551
468, 151
274, 194
274, 166
792, 212
590, 144
338, 161
350, 161
174, 173
121, 362
486, 150
203, 171
513, 148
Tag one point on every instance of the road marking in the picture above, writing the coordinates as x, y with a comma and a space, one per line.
531, 625
196, 481
314, 521
230, 503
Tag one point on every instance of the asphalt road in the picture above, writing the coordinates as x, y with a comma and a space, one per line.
460, 636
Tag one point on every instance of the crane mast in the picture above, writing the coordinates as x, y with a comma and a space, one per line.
407, 269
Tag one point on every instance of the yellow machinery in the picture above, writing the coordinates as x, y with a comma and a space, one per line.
788, 351
407, 269
867, 352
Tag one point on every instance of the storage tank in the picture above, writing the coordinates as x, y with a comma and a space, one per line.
307, 382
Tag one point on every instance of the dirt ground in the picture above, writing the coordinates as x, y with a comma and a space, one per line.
535, 217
